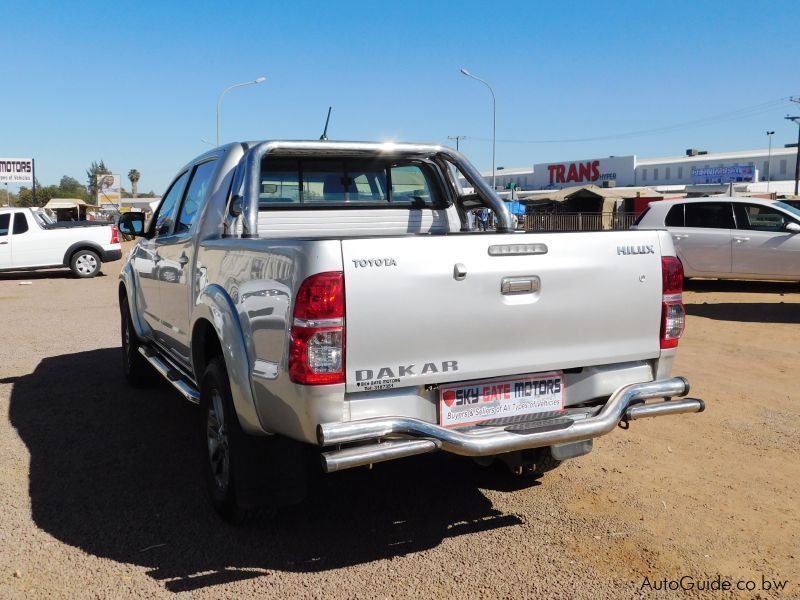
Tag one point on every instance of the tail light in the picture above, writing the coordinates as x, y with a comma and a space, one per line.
316, 346
114, 235
673, 315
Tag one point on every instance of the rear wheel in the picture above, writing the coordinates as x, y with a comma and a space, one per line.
244, 472
85, 263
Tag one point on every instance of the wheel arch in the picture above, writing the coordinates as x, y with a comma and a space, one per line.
82, 245
215, 328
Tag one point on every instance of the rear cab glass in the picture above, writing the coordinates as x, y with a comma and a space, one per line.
308, 183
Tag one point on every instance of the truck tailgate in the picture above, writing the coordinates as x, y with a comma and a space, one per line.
423, 310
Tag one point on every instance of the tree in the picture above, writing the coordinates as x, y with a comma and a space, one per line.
95, 170
134, 175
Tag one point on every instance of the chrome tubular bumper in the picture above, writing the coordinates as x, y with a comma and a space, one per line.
404, 436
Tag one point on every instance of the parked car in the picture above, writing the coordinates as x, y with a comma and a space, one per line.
29, 240
730, 238
320, 306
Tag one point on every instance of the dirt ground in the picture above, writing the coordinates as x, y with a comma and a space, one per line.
100, 492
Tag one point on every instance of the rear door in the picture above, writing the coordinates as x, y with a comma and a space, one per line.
448, 308
176, 257
5, 240
703, 240
761, 245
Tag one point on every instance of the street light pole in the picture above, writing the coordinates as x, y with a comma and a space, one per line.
228, 89
769, 159
494, 120
797, 160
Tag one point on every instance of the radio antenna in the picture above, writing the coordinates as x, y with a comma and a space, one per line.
324, 136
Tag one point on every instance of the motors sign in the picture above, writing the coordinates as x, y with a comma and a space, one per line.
619, 169
16, 170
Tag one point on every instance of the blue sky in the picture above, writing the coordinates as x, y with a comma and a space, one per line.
136, 83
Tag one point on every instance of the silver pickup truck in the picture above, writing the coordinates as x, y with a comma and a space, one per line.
332, 295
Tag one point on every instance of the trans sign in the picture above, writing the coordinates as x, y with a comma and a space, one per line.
619, 169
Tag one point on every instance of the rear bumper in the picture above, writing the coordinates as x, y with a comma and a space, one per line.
111, 255
388, 438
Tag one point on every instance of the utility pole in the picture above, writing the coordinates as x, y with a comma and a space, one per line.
457, 138
796, 121
769, 159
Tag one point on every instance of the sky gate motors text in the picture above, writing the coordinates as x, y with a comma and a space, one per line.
502, 391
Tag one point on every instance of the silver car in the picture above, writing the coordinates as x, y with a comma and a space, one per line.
730, 238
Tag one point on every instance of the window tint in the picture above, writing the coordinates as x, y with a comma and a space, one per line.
760, 218
20, 224
166, 212
198, 190
675, 216
319, 182
714, 215
5, 221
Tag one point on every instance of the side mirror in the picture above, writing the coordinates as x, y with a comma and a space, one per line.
792, 227
132, 223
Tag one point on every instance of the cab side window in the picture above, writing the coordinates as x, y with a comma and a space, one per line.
198, 191
710, 215
166, 212
5, 221
675, 216
760, 218
20, 224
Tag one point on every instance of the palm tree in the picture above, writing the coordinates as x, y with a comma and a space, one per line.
134, 175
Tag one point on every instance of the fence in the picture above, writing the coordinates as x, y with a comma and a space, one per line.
578, 221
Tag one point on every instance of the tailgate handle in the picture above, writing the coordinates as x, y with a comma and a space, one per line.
520, 285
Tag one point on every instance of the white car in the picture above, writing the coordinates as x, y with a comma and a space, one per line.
730, 238
29, 239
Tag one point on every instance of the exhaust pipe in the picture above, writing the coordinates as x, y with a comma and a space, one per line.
660, 409
359, 456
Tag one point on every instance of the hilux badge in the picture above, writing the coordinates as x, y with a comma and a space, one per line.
628, 250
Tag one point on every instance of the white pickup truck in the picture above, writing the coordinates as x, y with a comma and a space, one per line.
30, 240
332, 295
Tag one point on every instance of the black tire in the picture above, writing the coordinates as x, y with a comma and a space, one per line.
138, 372
244, 472
85, 263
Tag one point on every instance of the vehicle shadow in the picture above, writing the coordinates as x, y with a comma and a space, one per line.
741, 286
116, 472
31, 275
748, 312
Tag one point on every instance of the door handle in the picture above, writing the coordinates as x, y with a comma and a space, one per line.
679, 237
183, 260
3, 243
739, 240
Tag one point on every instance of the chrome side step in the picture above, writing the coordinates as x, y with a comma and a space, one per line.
172, 375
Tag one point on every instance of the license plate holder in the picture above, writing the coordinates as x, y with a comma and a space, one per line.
471, 402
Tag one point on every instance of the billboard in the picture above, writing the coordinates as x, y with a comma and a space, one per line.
109, 189
16, 170
619, 169
724, 174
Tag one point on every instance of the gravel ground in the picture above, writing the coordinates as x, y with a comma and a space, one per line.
100, 492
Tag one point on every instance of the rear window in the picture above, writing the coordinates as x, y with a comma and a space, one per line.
354, 182
710, 215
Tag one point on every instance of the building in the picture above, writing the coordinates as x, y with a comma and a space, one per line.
696, 167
